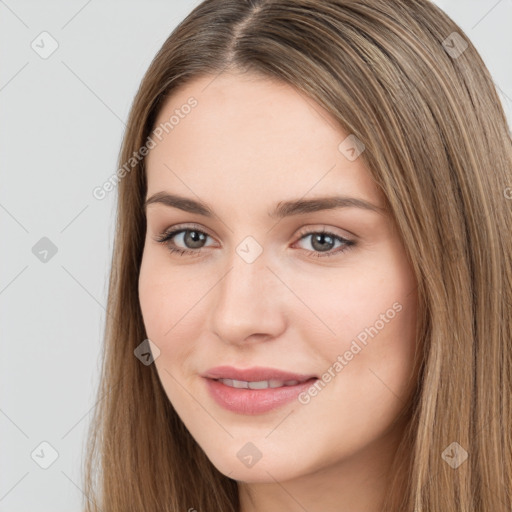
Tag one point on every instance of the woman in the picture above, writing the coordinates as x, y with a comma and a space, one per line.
309, 304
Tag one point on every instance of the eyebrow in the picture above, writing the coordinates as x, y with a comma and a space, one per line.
282, 209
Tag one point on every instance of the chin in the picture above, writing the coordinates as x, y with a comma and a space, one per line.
245, 463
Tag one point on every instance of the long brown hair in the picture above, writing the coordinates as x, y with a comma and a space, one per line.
419, 97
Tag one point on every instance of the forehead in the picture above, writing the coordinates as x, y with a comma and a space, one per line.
251, 136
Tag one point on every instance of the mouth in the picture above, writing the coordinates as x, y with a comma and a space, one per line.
255, 375
254, 390
260, 384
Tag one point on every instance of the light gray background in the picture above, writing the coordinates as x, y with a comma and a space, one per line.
62, 121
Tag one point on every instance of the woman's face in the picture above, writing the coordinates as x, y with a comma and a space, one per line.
312, 334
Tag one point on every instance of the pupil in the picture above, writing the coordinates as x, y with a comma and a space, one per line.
320, 238
195, 238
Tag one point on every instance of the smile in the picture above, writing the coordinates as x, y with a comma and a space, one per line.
262, 384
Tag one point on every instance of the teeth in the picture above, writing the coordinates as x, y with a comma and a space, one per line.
262, 384
241, 384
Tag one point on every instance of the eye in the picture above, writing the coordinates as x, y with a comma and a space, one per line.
193, 239
324, 241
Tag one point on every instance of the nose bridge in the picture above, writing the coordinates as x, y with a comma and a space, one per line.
246, 301
245, 283
247, 270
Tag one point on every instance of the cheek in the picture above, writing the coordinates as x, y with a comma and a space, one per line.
172, 323
371, 317
342, 305
152, 297
171, 310
378, 348
165, 294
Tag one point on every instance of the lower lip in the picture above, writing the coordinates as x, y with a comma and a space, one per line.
254, 401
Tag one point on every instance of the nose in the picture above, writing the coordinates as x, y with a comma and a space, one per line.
248, 303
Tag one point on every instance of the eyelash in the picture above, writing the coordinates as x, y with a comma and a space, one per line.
165, 237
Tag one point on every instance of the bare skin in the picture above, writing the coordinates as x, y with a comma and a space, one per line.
249, 144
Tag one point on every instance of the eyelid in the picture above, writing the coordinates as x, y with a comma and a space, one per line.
186, 227
307, 230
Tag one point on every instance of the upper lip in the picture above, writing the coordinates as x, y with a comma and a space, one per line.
254, 374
